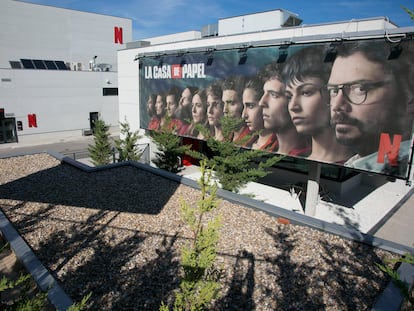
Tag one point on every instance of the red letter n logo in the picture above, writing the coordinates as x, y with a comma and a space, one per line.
31, 118
118, 35
386, 148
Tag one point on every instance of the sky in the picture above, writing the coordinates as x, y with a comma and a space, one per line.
163, 17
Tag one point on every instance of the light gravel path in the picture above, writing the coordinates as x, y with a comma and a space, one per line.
118, 233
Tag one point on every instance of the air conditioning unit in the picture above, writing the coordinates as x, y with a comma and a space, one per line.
102, 67
76, 66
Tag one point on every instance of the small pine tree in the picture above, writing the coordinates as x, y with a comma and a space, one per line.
200, 284
170, 149
100, 153
235, 166
127, 146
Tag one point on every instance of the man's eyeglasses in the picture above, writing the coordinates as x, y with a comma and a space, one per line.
355, 93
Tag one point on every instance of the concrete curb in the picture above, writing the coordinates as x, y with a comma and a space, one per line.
391, 298
40, 274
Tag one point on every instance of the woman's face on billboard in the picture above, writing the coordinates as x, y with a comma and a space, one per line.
214, 110
159, 106
308, 105
199, 109
252, 112
150, 104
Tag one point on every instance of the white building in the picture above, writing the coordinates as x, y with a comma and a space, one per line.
58, 69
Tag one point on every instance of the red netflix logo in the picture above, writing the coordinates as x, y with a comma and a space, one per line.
391, 150
118, 35
32, 120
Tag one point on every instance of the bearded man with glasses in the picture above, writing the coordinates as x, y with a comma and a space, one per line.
369, 100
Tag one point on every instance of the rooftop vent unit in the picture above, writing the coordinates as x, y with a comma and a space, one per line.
210, 30
263, 21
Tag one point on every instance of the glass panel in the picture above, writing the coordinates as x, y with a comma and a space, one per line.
27, 63
15, 64
110, 91
61, 65
50, 64
39, 64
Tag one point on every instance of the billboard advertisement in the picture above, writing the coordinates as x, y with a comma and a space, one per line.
348, 103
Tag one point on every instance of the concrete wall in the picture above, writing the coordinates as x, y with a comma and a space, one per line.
181, 36
43, 32
251, 22
61, 100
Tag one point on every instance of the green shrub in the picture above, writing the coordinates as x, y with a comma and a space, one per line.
26, 301
127, 145
100, 152
234, 166
200, 285
170, 149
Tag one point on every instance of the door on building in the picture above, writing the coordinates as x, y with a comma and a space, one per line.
8, 133
93, 117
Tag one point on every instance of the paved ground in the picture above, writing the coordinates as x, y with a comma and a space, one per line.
398, 226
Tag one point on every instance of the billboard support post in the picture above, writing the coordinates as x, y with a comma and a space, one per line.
312, 189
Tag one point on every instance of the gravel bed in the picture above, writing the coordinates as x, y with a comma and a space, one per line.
117, 233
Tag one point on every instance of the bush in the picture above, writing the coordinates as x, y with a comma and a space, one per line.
234, 166
170, 149
200, 284
127, 145
101, 152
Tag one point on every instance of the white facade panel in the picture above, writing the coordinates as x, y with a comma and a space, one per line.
43, 32
128, 88
181, 36
61, 100
250, 23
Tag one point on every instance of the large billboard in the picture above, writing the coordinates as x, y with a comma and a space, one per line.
348, 103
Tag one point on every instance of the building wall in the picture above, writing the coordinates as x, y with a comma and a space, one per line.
251, 23
181, 36
42, 32
128, 88
60, 99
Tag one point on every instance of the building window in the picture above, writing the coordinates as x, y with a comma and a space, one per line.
110, 91
61, 65
27, 63
39, 64
15, 64
50, 64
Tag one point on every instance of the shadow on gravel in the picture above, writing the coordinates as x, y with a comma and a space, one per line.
319, 288
348, 268
240, 294
110, 271
123, 189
